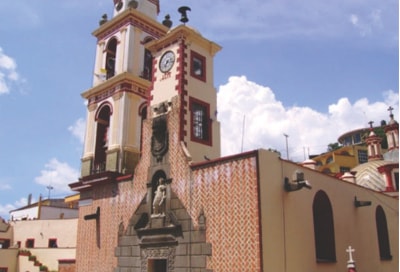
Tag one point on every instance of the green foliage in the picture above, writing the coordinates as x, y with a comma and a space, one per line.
333, 146
380, 132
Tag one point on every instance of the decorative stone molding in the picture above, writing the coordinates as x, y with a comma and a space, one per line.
167, 253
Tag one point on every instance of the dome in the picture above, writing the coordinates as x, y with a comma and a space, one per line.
309, 164
367, 175
391, 155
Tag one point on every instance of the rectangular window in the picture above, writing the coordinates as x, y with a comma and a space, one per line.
200, 120
197, 66
4, 243
362, 156
30, 243
344, 169
357, 138
53, 243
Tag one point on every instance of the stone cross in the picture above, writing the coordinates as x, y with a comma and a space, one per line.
390, 109
350, 251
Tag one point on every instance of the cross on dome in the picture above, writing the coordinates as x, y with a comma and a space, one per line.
390, 109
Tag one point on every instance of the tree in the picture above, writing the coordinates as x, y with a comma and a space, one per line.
333, 146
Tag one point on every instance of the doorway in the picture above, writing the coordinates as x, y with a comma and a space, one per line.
157, 265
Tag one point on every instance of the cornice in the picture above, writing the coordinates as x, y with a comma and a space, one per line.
130, 17
124, 82
183, 32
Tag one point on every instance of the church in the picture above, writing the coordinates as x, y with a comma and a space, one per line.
156, 195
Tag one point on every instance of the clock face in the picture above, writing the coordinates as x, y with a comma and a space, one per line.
167, 61
118, 4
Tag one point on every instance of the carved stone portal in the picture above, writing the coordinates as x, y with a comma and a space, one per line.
161, 253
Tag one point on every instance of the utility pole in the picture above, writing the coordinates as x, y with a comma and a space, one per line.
243, 127
287, 146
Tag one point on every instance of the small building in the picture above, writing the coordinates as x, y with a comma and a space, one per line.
40, 236
45, 209
341, 160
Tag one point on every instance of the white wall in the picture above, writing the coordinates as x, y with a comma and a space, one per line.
64, 230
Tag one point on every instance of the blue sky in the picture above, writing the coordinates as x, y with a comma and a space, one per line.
310, 69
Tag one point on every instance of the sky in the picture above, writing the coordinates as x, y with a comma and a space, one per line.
312, 70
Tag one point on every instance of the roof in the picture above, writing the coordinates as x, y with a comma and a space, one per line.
368, 175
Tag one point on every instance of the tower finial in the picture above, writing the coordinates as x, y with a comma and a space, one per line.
183, 11
370, 124
390, 109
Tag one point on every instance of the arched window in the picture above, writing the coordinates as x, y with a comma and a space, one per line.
147, 62
102, 136
110, 57
324, 232
383, 234
143, 117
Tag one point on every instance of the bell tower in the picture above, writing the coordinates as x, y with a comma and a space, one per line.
183, 82
117, 101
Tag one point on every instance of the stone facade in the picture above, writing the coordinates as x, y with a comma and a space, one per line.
181, 245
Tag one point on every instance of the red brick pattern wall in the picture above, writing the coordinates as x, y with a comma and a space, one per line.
97, 253
228, 195
226, 192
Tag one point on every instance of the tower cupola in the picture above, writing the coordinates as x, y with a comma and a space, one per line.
392, 132
150, 8
374, 145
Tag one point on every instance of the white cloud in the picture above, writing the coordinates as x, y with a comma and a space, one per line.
354, 19
368, 23
5, 209
266, 120
4, 187
58, 175
8, 72
78, 129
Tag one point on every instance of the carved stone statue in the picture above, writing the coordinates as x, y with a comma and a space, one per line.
159, 139
159, 198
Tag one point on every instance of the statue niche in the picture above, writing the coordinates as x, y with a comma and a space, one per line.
159, 200
159, 138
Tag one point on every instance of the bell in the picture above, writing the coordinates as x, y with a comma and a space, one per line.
183, 11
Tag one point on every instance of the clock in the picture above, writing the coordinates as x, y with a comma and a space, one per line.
167, 61
118, 4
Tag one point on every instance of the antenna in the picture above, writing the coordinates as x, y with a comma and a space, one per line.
49, 188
